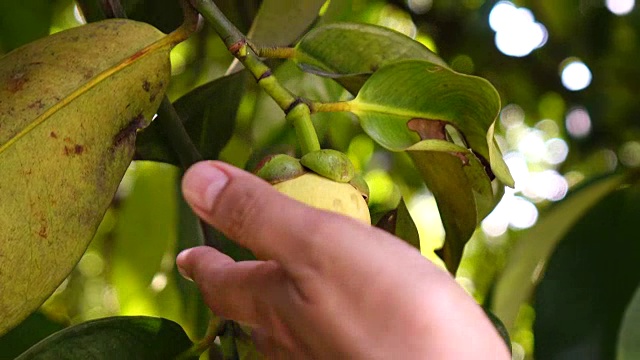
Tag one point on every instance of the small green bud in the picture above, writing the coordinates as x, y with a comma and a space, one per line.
278, 168
329, 163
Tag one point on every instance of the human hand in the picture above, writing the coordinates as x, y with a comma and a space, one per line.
326, 286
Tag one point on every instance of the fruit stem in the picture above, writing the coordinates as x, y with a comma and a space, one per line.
300, 116
295, 109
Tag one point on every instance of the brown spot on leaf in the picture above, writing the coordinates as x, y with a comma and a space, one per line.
428, 129
37, 104
146, 85
76, 149
16, 82
43, 231
128, 131
53, 135
462, 156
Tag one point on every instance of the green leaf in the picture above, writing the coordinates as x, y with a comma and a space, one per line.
267, 28
64, 147
628, 346
209, 116
532, 251
412, 100
134, 338
462, 189
588, 282
23, 21
400, 223
350, 53
416, 89
31, 331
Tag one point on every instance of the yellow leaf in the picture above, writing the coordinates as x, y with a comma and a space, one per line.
70, 107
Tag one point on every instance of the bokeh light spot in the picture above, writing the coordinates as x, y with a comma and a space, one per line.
517, 32
159, 282
511, 115
630, 154
557, 151
419, 6
548, 185
575, 75
620, 7
533, 146
523, 213
578, 122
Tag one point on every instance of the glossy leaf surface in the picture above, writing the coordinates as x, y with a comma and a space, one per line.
64, 147
412, 100
414, 89
135, 338
350, 53
32, 330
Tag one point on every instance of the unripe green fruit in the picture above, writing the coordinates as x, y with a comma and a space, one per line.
326, 194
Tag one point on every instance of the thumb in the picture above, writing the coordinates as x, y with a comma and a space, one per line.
251, 212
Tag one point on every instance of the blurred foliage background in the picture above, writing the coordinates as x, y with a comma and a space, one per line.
567, 75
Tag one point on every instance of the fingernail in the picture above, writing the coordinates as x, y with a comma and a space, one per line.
180, 259
202, 184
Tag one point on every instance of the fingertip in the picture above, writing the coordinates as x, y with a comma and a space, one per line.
202, 183
182, 262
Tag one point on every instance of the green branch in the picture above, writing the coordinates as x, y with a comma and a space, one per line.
237, 44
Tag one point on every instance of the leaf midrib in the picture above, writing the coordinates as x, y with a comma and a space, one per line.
123, 64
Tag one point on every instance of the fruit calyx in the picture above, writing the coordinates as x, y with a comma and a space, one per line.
329, 163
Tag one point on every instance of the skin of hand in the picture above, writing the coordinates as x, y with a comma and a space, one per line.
326, 286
